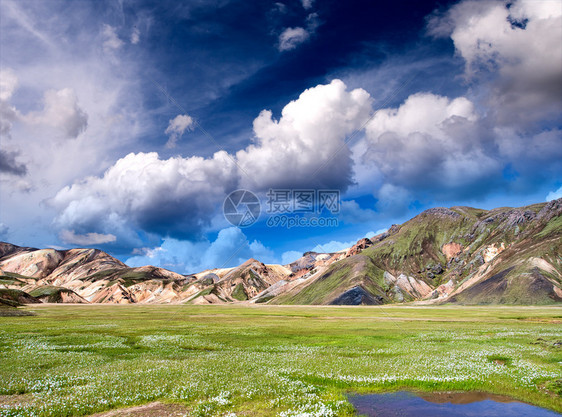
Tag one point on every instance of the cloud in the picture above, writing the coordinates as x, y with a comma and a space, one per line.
8, 83
230, 248
369, 235
393, 200
61, 111
514, 50
290, 38
8, 114
432, 143
181, 256
4, 231
87, 239
534, 156
351, 212
174, 197
53, 47
12, 12
312, 22
337, 246
111, 41
290, 256
330, 247
333, 246
305, 147
178, 197
279, 8
135, 36
554, 195
177, 127
9, 165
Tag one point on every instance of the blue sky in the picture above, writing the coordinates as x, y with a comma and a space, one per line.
125, 124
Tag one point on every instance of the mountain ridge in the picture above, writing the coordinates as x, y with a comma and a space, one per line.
459, 255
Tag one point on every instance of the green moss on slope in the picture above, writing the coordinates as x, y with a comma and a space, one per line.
553, 227
354, 271
238, 293
50, 293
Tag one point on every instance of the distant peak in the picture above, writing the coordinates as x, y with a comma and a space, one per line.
440, 212
251, 261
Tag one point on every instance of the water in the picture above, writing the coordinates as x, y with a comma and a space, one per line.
446, 404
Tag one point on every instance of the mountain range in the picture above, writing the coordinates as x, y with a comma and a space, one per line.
457, 255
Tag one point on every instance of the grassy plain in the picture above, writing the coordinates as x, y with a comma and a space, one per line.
266, 360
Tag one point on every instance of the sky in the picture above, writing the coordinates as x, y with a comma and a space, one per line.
124, 125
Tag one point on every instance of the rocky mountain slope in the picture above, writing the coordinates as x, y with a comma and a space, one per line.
457, 255
93, 276
83, 275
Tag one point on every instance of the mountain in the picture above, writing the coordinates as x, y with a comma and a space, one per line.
93, 276
85, 275
239, 284
458, 255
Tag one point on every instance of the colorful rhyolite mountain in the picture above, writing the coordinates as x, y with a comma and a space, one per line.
457, 255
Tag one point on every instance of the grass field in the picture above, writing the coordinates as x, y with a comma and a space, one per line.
288, 361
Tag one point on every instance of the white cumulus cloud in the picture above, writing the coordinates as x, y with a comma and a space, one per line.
180, 196
518, 43
177, 127
306, 147
175, 197
430, 143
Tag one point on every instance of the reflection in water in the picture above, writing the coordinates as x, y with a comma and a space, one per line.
444, 404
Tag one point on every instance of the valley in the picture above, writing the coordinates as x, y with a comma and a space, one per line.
237, 360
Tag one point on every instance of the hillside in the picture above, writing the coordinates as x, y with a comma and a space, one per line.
93, 276
84, 275
458, 255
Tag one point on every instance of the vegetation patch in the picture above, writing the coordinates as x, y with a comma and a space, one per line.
500, 360
50, 293
554, 226
238, 293
230, 360
203, 293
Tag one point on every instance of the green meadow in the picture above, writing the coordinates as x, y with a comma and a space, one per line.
74, 360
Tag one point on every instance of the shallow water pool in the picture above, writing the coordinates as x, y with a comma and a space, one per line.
444, 404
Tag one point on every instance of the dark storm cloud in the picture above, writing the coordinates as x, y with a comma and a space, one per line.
9, 165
